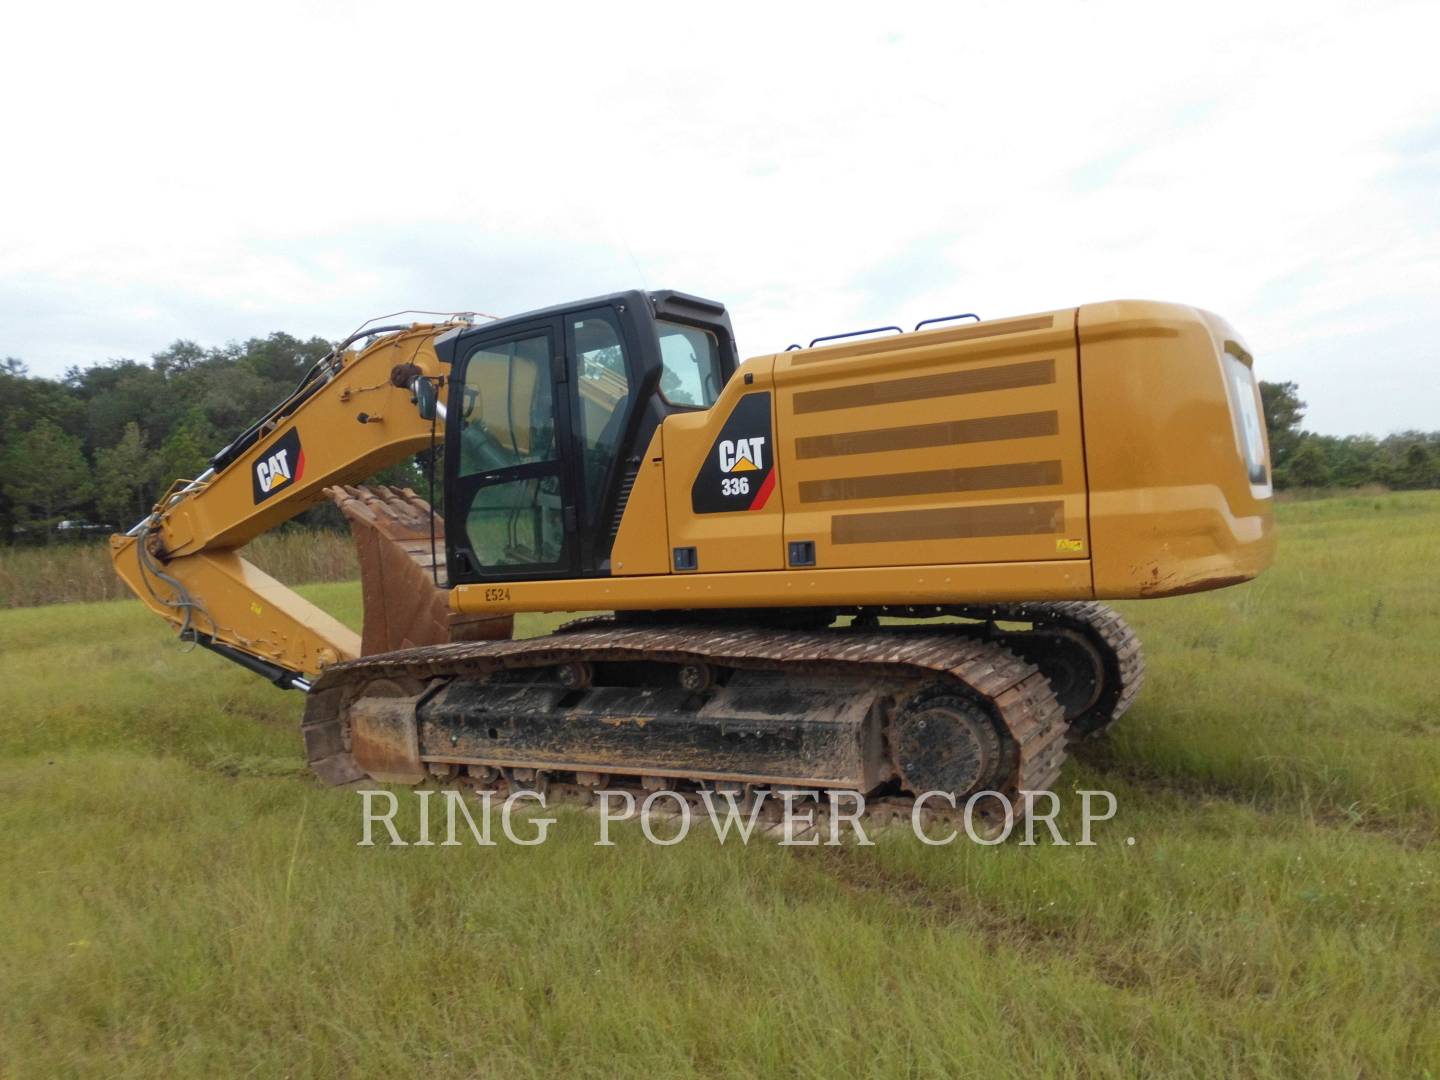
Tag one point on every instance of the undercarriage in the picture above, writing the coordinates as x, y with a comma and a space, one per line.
890, 702
891, 710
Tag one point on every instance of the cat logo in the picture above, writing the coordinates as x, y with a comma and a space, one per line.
280, 466
739, 473
273, 471
742, 455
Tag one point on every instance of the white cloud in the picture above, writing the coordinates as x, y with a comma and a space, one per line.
186, 170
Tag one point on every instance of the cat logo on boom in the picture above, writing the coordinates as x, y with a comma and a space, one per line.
279, 466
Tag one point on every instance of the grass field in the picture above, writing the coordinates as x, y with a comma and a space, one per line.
70, 572
177, 896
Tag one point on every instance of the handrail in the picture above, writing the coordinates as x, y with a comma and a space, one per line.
855, 333
947, 318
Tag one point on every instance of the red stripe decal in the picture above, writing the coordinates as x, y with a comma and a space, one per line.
763, 495
300, 465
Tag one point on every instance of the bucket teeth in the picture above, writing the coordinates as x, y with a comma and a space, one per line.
402, 577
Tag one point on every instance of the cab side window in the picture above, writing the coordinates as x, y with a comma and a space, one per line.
603, 383
692, 374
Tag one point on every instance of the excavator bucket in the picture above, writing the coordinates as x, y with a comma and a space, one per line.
402, 573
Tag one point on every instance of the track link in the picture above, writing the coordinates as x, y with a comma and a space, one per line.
1089, 652
1113, 644
958, 671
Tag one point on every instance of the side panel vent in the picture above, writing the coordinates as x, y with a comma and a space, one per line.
627, 485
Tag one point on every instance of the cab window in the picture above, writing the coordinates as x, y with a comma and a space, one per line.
604, 387
690, 359
508, 412
510, 494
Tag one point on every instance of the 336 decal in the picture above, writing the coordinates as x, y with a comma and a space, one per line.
739, 473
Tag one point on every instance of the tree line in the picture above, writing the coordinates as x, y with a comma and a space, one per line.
1304, 459
101, 444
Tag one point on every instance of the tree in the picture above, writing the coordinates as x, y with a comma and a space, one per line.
234, 396
179, 356
45, 475
1417, 469
282, 359
1308, 468
1353, 460
118, 393
125, 478
25, 400
12, 376
186, 453
1283, 412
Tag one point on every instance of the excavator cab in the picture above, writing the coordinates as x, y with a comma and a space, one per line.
548, 417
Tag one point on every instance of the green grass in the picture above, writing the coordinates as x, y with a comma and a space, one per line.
81, 571
177, 896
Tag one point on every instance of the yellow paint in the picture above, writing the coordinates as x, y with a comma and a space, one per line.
198, 535
1056, 579
724, 543
1152, 495
1172, 508
935, 353
642, 546
286, 629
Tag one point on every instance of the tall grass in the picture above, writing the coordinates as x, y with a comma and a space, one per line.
177, 895
81, 572
1311, 494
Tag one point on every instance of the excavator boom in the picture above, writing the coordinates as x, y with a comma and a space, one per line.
355, 414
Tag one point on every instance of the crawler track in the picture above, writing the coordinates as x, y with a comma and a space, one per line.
1087, 650
830, 737
1083, 631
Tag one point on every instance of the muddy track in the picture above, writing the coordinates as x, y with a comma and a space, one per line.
1098, 628
1014, 693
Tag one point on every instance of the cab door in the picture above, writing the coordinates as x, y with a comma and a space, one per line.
603, 374
510, 511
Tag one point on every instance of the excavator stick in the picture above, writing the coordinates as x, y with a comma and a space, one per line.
402, 573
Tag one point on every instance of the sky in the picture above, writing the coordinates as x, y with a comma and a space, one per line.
216, 172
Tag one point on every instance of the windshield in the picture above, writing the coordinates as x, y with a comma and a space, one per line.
691, 361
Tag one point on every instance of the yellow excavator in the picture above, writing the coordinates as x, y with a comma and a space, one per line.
873, 563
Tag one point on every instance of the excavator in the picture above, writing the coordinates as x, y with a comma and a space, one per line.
875, 563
